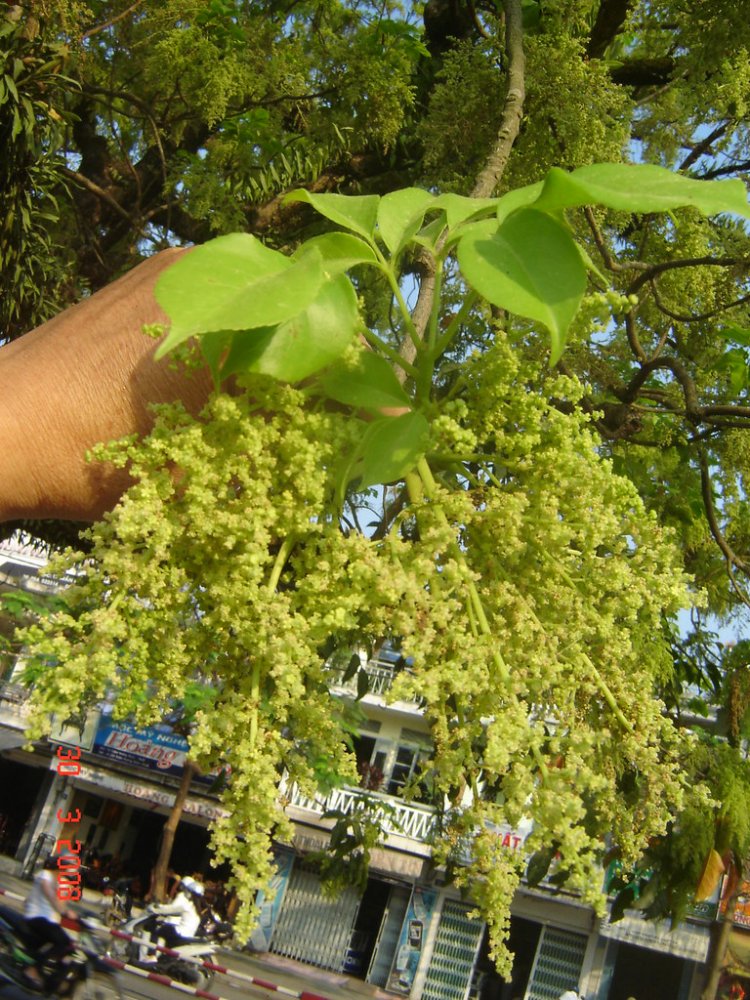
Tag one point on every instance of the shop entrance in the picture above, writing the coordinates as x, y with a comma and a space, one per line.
190, 853
21, 785
523, 942
647, 974
391, 918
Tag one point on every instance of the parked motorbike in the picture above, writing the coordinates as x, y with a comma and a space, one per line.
117, 901
213, 928
83, 974
201, 948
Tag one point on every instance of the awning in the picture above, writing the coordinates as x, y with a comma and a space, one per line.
686, 941
11, 738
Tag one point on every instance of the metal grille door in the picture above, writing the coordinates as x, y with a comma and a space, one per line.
558, 964
311, 928
453, 960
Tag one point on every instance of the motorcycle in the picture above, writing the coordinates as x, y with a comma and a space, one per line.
201, 948
117, 901
214, 928
82, 974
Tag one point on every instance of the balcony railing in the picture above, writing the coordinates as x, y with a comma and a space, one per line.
380, 676
400, 819
16, 694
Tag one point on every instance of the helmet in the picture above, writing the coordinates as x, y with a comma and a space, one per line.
190, 885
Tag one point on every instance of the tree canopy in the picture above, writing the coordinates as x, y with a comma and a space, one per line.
555, 392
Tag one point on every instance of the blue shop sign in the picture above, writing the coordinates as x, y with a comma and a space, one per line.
152, 748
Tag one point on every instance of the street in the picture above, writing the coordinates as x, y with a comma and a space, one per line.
136, 987
284, 977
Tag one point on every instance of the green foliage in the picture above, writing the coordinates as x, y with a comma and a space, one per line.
33, 115
227, 556
505, 530
587, 127
346, 860
665, 881
462, 117
19, 608
464, 111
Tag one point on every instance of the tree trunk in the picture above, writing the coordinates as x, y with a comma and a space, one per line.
159, 872
720, 941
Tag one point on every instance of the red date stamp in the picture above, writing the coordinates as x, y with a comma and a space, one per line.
68, 850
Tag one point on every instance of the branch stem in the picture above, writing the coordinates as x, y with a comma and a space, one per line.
474, 598
515, 96
273, 581
380, 345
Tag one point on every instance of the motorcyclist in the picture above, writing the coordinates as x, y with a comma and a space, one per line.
43, 910
181, 914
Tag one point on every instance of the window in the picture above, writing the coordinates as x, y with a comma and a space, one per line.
406, 763
389, 765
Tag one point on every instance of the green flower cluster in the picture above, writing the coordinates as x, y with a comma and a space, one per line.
526, 584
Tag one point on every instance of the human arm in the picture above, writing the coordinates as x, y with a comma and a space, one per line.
165, 909
86, 376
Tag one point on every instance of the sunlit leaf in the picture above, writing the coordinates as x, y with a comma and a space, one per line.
356, 212
234, 283
518, 198
371, 384
301, 346
531, 267
400, 216
458, 208
340, 251
390, 448
735, 334
640, 187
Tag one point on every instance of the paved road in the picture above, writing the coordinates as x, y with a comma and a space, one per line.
288, 977
133, 987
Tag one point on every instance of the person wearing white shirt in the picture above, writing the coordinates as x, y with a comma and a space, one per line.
43, 910
181, 914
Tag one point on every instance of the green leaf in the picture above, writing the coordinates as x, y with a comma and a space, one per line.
363, 684
623, 901
400, 216
340, 251
390, 448
372, 384
459, 208
531, 15
590, 265
234, 283
519, 198
735, 334
538, 865
482, 229
352, 667
357, 212
734, 363
429, 234
214, 347
531, 267
559, 877
301, 346
640, 187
